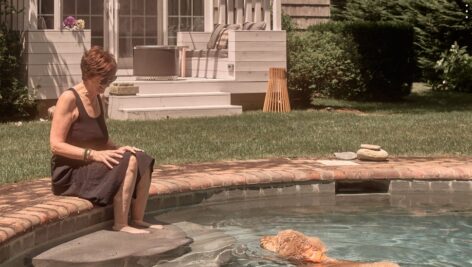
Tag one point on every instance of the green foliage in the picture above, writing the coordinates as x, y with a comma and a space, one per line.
357, 60
454, 70
15, 101
322, 64
387, 59
437, 24
372, 10
287, 23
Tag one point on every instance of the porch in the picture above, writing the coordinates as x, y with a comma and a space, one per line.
228, 80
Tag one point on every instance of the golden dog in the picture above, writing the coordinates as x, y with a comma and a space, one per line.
309, 251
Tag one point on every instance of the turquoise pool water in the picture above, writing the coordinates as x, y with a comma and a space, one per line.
413, 231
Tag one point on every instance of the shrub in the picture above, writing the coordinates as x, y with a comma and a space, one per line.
387, 58
322, 64
454, 70
437, 24
384, 56
15, 101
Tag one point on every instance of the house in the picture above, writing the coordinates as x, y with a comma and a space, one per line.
307, 12
233, 80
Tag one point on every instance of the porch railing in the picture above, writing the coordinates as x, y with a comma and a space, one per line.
240, 11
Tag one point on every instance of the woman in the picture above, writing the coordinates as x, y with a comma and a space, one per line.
85, 161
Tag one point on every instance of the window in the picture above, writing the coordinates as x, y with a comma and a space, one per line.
137, 25
185, 16
45, 14
91, 11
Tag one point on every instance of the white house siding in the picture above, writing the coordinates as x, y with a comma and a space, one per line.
52, 60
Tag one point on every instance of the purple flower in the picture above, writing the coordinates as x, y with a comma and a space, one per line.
69, 22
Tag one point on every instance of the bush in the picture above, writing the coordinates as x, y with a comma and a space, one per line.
437, 24
387, 58
374, 61
454, 70
15, 101
322, 64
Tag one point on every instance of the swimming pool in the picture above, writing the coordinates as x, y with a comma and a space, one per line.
413, 230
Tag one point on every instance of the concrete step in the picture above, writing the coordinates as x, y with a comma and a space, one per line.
181, 85
169, 100
175, 112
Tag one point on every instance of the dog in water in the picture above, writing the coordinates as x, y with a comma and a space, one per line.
309, 251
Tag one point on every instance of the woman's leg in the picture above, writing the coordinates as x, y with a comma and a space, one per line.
139, 204
122, 200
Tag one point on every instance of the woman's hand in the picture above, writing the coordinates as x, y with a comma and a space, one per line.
107, 157
131, 149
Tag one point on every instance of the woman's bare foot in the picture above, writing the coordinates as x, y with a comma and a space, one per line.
146, 225
130, 230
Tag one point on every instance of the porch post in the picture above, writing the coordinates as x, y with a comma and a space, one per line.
277, 13
208, 16
31, 15
57, 14
165, 21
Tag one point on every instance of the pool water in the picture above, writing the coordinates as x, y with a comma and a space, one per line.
412, 232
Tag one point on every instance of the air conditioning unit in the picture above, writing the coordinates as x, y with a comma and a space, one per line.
156, 62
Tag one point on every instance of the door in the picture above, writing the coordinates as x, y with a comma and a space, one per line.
137, 25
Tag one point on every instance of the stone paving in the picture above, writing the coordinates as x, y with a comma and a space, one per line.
24, 206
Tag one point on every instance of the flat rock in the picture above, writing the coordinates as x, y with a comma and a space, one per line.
372, 155
345, 155
114, 249
123, 90
371, 147
210, 247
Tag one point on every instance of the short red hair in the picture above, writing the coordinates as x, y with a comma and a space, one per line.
98, 62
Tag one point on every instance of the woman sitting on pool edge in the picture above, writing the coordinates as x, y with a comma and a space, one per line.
85, 162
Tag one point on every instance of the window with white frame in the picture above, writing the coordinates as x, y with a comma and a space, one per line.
185, 16
45, 14
91, 11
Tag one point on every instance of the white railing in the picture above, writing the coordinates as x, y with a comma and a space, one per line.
240, 11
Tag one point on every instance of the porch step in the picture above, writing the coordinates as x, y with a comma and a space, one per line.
189, 85
177, 112
170, 100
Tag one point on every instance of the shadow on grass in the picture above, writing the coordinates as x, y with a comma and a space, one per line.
418, 102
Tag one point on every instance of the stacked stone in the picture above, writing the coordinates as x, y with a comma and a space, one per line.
372, 153
123, 89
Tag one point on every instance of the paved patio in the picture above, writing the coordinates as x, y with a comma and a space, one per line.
28, 205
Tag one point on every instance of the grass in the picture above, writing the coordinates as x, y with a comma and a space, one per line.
426, 124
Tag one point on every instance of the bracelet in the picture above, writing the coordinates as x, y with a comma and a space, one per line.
86, 151
87, 154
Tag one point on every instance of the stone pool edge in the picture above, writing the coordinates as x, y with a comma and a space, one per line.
28, 231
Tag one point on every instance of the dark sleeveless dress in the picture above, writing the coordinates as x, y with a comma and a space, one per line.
93, 181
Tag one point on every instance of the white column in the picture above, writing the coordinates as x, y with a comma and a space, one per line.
258, 11
277, 13
248, 11
165, 21
267, 17
239, 12
230, 13
222, 12
57, 14
208, 16
31, 15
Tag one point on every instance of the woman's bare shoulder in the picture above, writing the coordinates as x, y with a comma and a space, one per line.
66, 101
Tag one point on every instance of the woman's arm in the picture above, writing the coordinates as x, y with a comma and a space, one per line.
61, 122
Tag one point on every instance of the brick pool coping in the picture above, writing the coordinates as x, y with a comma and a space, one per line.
26, 208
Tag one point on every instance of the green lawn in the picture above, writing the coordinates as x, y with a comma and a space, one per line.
426, 124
